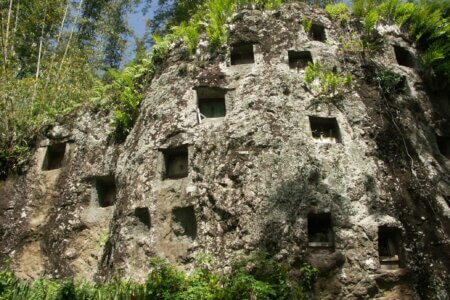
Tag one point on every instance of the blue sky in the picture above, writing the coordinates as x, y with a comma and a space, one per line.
137, 22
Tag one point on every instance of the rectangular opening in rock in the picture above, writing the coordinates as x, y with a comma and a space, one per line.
54, 157
106, 190
317, 32
320, 232
403, 56
389, 245
444, 145
242, 53
184, 222
176, 163
143, 215
211, 102
325, 130
299, 59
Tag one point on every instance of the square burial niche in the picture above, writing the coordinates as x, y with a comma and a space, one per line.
176, 163
317, 32
105, 187
403, 56
54, 157
389, 245
444, 145
184, 222
143, 215
325, 130
242, 53
211, 102
320, 231
299, 59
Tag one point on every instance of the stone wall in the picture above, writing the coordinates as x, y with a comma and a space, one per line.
255, 176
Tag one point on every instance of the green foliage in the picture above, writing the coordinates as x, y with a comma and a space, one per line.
258, 277
28, 105
190, 32
370, 21
358, 8
426, 21
273, 4
164, 281
125, 89
389, 82
217, 12
436, 56
326, 84
403, 12
254, 277
51, 54
351, 45
307, 24
308, 276
338, 12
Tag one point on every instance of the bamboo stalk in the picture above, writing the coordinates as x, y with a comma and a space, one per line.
70, 38
15, 24
5, 49
41, 41
57, 41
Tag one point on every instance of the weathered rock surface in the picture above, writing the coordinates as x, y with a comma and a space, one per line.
254, 176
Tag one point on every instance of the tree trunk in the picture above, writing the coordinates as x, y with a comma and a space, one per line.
70, 38
57, 41
5, 49
15, 24
41, 40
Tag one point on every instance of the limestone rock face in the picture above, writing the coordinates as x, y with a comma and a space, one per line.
356, 187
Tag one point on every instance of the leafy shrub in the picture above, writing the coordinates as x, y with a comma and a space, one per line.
351, 45
389, 82
217, 12
358, 8
370, 21
338, 12
254, 277
28, 105
308, 276
258, 277
426, 21
126, 87
326, 84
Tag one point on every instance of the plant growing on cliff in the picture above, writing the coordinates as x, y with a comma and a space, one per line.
426, 21
126, 87
338, 12
389, 82
307, 25
326, 84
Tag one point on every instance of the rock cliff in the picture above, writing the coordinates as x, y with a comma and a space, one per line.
232, 153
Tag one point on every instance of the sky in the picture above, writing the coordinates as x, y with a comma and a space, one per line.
137, 22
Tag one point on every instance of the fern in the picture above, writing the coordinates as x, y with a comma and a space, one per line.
326, 84
370, 21
358, 8
307, 25
404, 12
338, 12
189, 32
218, 12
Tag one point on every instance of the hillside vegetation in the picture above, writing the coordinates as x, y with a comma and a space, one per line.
255, 277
